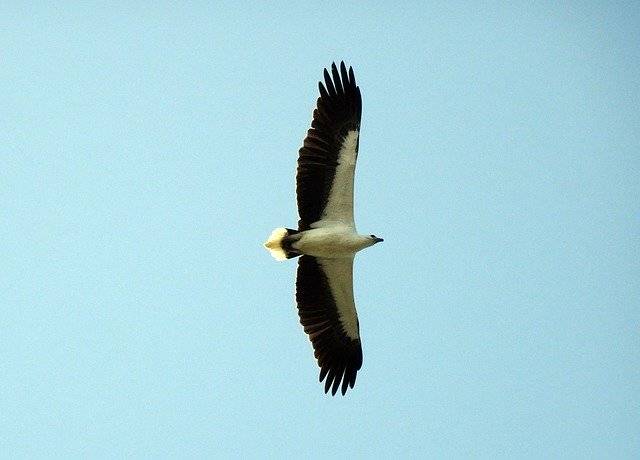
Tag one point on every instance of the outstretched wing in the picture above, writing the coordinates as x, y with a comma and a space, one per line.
327, 159
324, 293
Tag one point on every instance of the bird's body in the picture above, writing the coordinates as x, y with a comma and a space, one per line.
333, 241
326, 238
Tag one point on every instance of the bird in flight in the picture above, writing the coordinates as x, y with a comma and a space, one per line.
326, 239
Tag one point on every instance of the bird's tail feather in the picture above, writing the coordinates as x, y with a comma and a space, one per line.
279, 243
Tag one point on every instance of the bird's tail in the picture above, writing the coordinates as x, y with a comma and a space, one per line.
279, 243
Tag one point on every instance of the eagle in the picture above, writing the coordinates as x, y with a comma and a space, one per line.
326, 239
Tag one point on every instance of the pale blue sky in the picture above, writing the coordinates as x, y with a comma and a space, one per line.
148, 151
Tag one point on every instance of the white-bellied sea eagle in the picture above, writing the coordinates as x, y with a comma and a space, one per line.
326, 237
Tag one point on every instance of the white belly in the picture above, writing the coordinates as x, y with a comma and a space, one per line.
330, 242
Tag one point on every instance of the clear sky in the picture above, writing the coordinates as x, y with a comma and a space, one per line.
147, 151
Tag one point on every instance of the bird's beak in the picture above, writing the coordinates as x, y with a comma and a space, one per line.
379, 240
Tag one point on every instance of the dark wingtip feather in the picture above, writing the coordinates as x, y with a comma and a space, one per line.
345, 383
337, 379
323, 373
329, 84
349, 379
345, 77
336, 79
323, 91
329, 381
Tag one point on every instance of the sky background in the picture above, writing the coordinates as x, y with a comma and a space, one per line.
148, 150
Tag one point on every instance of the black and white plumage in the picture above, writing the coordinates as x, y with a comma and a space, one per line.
326, 237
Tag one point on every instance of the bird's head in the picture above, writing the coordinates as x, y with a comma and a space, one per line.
375, 239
